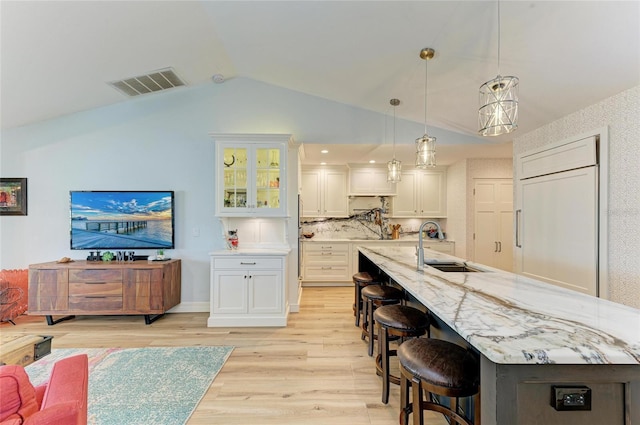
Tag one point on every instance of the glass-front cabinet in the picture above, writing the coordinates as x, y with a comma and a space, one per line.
251, 179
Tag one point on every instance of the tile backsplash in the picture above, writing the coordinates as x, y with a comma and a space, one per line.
369, 218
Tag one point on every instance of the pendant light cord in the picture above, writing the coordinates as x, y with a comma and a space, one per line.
426, 71
498, 37
394, 132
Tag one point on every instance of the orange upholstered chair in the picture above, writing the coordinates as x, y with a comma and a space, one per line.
61, 401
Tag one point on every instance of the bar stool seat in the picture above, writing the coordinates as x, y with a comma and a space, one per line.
399, 321
374, 296
437, 367
360, 280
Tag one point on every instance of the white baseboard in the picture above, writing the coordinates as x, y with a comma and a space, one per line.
249, 320
191, 307
327, 284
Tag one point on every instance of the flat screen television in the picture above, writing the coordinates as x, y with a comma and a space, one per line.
122, 220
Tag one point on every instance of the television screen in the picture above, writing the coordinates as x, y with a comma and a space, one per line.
124, 220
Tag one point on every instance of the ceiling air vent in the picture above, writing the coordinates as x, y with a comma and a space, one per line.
162, 79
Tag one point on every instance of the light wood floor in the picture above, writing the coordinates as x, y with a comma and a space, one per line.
314, 371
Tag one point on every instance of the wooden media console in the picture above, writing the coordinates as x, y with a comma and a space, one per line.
104, 288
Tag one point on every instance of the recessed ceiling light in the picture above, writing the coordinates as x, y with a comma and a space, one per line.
323, 163
372, 161
324, 151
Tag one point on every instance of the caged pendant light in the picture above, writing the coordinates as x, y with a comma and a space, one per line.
426, 145
498, 113
394, 166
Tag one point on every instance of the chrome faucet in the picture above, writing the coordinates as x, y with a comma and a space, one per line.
419, 248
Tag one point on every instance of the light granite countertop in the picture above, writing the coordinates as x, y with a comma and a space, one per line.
251, 251
512, 319
407, 239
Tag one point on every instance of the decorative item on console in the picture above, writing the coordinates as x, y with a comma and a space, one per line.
232, 239
118, 256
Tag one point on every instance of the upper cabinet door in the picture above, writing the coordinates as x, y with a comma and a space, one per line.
324, 192
251, 179
421, 193
369, 181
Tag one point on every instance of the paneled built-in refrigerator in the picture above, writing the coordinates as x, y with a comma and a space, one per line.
557, 225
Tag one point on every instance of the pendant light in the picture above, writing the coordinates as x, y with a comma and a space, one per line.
498, 113
394, 173
426, 145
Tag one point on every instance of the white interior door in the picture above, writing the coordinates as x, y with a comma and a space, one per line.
493, 231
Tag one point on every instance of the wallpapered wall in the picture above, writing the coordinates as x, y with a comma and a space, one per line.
621, 114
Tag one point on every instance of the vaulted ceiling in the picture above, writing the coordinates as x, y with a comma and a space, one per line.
58, 56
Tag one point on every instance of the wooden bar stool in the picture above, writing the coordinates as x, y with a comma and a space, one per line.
374, 296
360, 280
399, 321
437, 367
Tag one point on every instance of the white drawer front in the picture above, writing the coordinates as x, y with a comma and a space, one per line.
247, 263
325, 258
326, 246
327, 273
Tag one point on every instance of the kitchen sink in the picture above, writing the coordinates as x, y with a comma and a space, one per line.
452, 267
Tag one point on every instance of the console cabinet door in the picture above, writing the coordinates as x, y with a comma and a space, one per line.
142, 290
229, 292
48, 290
265, 291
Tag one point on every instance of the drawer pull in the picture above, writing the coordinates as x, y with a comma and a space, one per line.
248, 264
95, 283
94, 296
326, 247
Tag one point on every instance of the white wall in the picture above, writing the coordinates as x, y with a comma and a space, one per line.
621, 114
161, 142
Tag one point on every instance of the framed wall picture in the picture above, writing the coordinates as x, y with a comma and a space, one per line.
13, 196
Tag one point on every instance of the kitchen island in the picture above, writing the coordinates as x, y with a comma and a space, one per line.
530, 337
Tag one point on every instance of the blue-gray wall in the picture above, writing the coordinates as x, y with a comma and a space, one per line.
161, 142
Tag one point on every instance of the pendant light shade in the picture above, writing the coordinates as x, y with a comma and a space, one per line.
498, 112
426, 152
426, 145
394, 172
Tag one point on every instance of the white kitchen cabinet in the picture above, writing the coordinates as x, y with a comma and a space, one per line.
369, 181
421, 193
493, 229
326, 262
324, 192
251, 175
247, 291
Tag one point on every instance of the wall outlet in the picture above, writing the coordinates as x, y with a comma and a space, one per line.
570, 397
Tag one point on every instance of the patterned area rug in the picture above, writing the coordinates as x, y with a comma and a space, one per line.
154, 385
